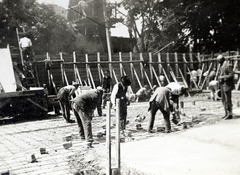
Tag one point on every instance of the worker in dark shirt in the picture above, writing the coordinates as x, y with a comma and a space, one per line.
64, 95
83, 106
107, 87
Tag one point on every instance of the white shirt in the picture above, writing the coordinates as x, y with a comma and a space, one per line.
115, 91
175, 88
194, 75
25, 42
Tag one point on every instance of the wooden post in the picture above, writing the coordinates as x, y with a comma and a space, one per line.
88, 78
99, 67
132, 71
74, 66
189, 71
48, 71
114, 75
62, 71
107, 37
176, 64
184, 66
108, 138
167, 60
164, 72
159, 63
200, 79
154, 72
118, 151
120, 64
141, 68
91, 78
207, 75
150, 67
191, 60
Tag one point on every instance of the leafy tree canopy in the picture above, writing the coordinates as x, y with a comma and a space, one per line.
48, 31
207, 25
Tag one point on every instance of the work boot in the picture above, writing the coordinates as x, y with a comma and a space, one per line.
70, 121
228, 117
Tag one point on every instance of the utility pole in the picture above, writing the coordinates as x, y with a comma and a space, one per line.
107, 36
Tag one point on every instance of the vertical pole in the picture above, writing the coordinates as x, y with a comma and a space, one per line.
118, 152
168, 65
88, 79
141, 68
159, 63
108, 138
99, 67
48, 71
131, 69
120, 64
150, 67
74, 66
191, 60
62, 73
176, 64
107, 37
185, 67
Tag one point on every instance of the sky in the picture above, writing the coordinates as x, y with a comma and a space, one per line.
120, 30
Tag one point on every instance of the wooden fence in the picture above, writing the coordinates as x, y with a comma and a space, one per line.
143, 69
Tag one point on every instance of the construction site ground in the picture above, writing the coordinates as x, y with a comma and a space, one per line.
203, 144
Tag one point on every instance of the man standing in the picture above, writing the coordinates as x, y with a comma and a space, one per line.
26, 47
121, 91
226, 82
64, 96
107, 87
83, 106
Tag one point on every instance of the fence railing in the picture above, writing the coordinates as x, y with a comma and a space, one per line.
142, 68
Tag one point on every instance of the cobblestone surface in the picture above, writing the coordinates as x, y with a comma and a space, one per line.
20, 140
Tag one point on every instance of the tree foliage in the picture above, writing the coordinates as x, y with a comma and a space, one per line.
48, 31
208, 25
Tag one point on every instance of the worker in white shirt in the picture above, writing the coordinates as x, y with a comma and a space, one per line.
177, 90
26, 47
193, 78
121, 91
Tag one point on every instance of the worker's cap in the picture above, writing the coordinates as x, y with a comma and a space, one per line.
220, 57
99, 88
75, 83
146, 86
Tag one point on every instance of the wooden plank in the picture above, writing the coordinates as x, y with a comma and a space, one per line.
2, 104
150, 67
88, 76
108, 139
115, 77
62, 69
99, 67
154, 72
141, 68
91, 77
164, 72
38, 105
176, 65
194, 82
204, 81
118, 151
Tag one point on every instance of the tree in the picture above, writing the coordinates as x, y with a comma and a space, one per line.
209, 25
48, 32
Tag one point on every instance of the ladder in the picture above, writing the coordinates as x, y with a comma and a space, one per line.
29, 80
